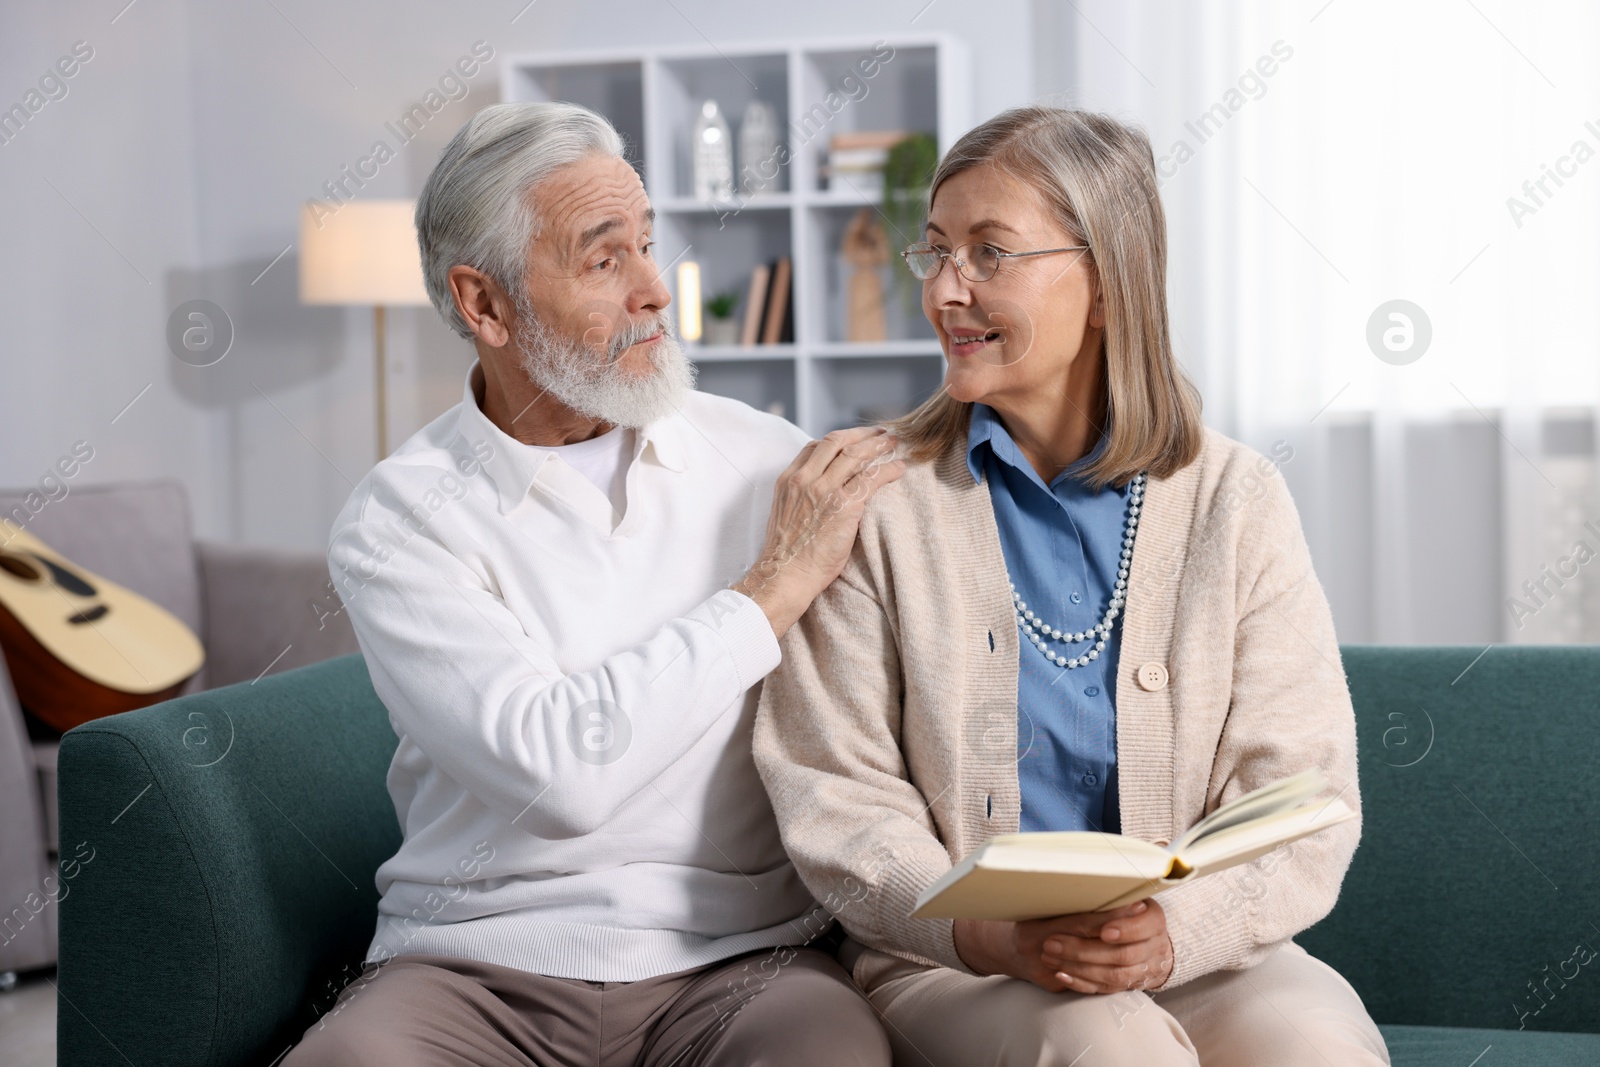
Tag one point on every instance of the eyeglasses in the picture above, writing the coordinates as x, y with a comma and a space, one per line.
926, 261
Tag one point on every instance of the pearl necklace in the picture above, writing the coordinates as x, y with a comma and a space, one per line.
1026, 619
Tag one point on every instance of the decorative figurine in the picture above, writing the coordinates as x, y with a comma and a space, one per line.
866, 248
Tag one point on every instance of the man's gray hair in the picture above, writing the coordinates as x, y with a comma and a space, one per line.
475, 208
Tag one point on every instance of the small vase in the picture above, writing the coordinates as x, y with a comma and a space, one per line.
720, 332
712, 155
758, 149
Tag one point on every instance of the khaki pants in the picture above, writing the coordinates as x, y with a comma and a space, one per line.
781, 1006
1290, 1010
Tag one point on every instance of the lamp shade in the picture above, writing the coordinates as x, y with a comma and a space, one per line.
364, 253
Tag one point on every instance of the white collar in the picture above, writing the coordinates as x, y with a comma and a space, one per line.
513, 465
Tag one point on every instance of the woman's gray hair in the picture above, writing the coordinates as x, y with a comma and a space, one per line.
1097, 177
475, 208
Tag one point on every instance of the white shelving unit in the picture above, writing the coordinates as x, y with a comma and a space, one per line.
821, 382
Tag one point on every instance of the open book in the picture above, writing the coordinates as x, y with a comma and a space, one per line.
1015, 877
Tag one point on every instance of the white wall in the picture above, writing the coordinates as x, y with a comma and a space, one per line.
98, 191
191, 140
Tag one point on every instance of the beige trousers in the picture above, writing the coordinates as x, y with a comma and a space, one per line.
783, 1007
1290, 1010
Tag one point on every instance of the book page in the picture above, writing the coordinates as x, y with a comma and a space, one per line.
1096, 854
1280, 796
1244, 842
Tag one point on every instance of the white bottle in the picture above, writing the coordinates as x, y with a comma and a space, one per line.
713, 155
758, 149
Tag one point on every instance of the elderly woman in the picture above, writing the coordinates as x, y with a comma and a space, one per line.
1079, 609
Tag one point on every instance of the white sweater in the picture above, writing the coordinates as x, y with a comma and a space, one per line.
573, 696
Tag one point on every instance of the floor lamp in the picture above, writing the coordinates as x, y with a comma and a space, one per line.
363, 253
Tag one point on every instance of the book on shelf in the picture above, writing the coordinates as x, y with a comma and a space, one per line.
769, 304
854, 139
777, 323
1016, 877
858, 158
861, 152
755, 303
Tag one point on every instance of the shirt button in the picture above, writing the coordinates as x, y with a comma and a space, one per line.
1092, 691
1089, 779
1076, 598
1152, 677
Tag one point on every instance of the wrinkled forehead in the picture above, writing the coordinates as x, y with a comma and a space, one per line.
988, 199
584, 202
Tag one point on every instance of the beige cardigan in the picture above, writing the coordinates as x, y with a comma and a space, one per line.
887, 736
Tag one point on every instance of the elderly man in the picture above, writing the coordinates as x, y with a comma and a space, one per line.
568, 589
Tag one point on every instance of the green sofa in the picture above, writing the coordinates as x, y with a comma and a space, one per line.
225, 845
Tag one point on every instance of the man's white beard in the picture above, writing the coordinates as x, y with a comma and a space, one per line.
600, 387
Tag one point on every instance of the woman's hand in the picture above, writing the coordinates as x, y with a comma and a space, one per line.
1089, 952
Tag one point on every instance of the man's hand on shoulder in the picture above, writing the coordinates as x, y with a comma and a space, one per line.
816, 511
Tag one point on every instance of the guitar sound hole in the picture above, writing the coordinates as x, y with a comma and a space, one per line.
96, 612
65, 578
19, 567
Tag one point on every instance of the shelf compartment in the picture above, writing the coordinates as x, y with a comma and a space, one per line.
829, 275
855, 391
732, 81
764, 384
727, 249
903, 94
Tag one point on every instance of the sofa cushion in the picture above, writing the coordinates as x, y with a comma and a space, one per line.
1444, 1046
268, 608
1471, 900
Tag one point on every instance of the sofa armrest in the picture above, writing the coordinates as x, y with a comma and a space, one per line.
218, 854
267, 608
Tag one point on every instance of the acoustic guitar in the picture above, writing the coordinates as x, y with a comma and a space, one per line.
79, 646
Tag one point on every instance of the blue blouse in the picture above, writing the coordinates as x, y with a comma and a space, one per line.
1062, 543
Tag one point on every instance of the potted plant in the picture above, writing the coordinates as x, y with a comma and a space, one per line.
720, 327
906, 176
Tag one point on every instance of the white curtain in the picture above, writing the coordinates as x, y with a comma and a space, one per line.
1320, 160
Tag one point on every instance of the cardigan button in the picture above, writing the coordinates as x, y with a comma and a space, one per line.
1152, 676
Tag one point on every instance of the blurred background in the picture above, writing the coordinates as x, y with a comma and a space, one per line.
1320, 162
